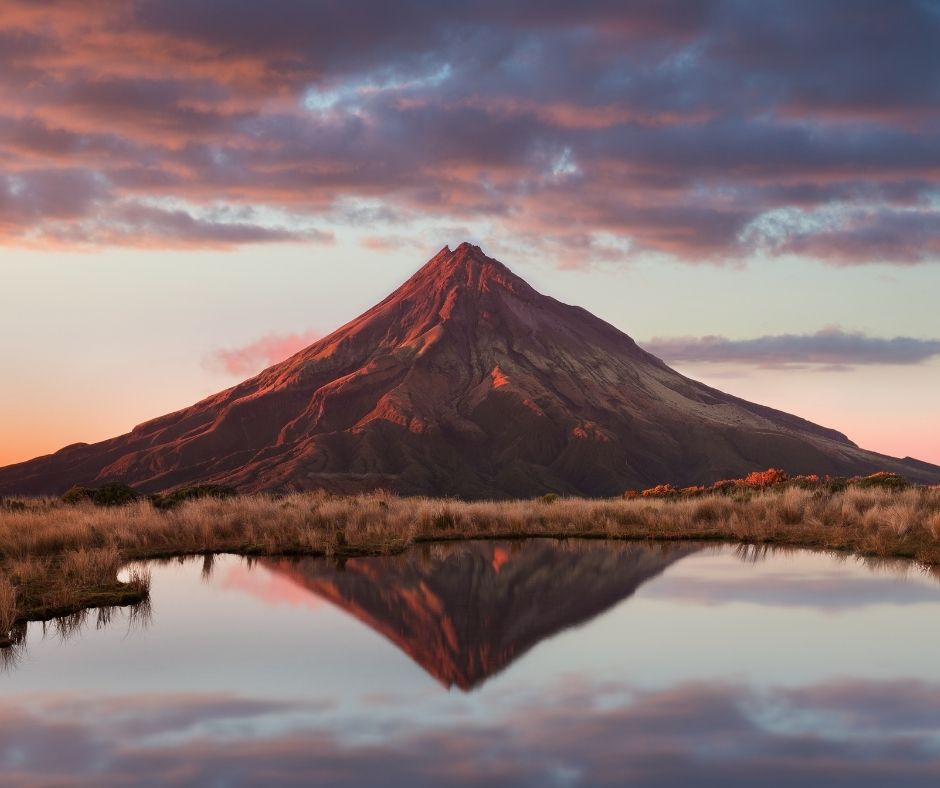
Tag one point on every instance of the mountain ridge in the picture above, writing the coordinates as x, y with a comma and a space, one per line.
463, 381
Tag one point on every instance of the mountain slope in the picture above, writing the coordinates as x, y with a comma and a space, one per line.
464, 381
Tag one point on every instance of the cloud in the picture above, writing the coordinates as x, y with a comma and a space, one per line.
829, 347
680, 128
850, 732
259, 354
908, 235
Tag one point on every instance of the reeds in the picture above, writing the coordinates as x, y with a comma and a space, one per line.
56, 557
8, 612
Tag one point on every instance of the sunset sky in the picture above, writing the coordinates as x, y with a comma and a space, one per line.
190, 191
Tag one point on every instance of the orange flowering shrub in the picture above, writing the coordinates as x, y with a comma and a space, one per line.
764, 478
659, 491
809, 481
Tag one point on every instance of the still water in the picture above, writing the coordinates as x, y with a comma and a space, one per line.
534, 663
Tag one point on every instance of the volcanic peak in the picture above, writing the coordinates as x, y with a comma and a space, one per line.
466, 267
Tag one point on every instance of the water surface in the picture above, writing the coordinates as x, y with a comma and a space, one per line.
529, 663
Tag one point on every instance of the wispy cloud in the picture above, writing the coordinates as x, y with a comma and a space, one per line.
830, 347
259, 354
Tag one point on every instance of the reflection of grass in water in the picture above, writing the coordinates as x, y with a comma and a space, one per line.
56, 559
11, 656
64, 628
751, 553
208, 564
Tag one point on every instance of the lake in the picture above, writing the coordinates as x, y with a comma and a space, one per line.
500, 663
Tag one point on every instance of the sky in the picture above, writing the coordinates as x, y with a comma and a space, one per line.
189, 191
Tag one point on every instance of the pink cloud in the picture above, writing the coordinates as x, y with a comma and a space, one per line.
255, 356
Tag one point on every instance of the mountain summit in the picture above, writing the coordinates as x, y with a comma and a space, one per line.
464, 381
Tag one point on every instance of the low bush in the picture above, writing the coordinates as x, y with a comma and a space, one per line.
881, 480
768, 478
110, 494
660, 491
177, 497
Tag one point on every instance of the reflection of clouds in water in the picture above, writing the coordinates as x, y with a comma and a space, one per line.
853, 733
796, 578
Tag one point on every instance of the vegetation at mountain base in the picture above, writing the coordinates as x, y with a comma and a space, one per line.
777, 479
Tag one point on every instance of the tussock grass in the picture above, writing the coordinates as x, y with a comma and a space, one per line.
57, 558
8, 611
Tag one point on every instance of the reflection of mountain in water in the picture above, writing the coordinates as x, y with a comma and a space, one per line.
466, 612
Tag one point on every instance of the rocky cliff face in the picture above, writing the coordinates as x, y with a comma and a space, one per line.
464, 381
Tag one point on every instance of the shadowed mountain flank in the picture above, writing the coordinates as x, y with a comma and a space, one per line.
465, 612
465, 381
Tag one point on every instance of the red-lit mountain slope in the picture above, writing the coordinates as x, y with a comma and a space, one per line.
464, 381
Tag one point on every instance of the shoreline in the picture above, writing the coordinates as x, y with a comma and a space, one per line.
59, 559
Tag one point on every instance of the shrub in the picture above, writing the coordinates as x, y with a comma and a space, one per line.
110, 494
725, 486
883, 480
766, 478
808, 482
659, 491
76, 494
549, 497
629, 495
199, 491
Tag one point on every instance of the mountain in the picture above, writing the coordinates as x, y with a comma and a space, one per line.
465, 381
465, 612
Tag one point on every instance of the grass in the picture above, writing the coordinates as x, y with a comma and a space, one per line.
57, 559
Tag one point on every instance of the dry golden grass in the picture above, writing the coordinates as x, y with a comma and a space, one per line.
8, 611
57, 558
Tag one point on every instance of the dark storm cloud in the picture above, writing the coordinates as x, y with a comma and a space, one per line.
830, 347
678, 127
